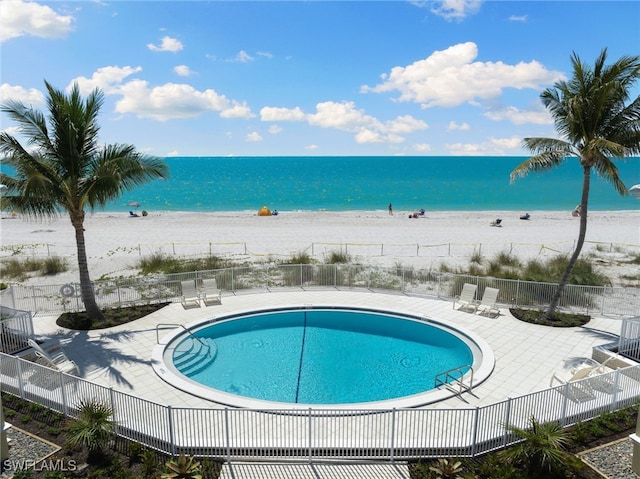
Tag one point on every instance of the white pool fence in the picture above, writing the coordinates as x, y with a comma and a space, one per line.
48, 299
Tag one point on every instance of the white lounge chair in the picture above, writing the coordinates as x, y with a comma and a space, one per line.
55, 358
211, 294
467, 297
189, 293
488, 303
586, 368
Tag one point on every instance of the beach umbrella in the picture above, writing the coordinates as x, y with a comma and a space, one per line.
635, 190
264, 211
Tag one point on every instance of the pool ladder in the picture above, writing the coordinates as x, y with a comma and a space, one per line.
454, 376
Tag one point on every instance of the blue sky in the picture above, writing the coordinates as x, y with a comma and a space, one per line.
196, 78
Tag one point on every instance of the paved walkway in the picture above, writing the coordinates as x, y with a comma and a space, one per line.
526, 355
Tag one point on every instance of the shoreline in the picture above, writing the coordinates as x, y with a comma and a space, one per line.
115, 242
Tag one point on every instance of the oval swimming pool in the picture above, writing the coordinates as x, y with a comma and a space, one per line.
317, 356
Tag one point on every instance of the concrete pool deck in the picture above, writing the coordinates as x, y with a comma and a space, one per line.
526, 355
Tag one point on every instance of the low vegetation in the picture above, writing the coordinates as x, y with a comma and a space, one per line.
163, 263
112, 317
20, 270
547, 451
507, 266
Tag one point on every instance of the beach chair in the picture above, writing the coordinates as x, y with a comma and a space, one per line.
189, 294
211, 294
496, 222
54, 357
488, 303
467, 297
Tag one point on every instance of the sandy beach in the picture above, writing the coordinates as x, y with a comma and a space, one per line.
116, 242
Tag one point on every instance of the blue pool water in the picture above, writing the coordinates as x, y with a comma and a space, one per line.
321, 356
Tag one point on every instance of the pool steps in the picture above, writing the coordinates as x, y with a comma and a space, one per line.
194, 356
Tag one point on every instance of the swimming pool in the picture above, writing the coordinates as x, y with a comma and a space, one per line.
330, 357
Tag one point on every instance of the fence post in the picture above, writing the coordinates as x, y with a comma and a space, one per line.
113, 410
507, 417
474, 440
171, 432
20, 379
565, 403
614, 396
62, 390
227, 433
310, 430
392, 448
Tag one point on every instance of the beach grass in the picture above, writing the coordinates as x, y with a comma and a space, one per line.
21, 269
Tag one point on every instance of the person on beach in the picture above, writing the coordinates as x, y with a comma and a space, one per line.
577, 210
390, 209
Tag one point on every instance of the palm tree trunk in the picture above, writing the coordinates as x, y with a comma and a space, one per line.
86, 290
586, 184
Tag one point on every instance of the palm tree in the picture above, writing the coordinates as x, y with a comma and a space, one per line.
64, 168
597, 127
542, 451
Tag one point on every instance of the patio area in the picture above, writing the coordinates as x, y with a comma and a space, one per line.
526, 355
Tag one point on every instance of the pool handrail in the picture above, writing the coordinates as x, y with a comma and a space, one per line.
189, 332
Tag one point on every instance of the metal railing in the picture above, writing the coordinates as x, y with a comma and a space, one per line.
455, 376
189, 333
600, 300
16, 327
395, 434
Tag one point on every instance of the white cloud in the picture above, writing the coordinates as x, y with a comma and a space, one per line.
168, 101
345, 116
108, 79
520, 117
18, 18
183, 70
518, 18
406, 124
450, 77
253, 137
243, 57
265, 55
456, 9
422, 147
172, 153
460, 127
31, 96
311, 147
237, 110
495, 146
12, 130
163, 102
270, 113
167, 44
275, 129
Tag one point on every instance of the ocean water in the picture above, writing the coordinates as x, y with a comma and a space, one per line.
371, 183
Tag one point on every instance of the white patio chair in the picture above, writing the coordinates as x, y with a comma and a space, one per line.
55, 358
467, 297
189, 294
211, 294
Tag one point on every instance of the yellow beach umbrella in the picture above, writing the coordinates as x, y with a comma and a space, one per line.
264, 211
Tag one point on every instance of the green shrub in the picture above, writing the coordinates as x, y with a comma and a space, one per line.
93, 427
300, 258
54, 265
338, 257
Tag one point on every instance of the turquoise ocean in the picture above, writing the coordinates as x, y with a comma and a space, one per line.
210, 184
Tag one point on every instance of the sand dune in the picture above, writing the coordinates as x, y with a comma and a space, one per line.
115, 242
